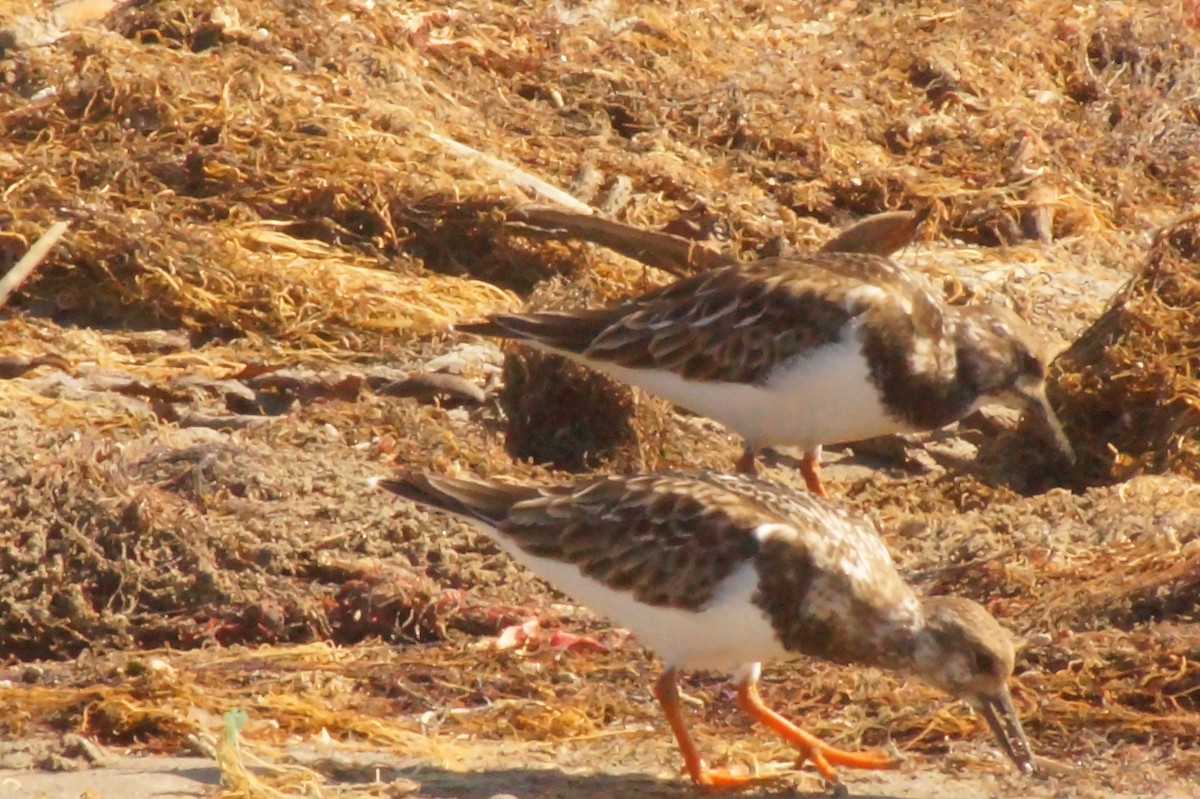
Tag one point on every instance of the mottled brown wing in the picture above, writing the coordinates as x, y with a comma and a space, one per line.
826, 581
730, 324
864, 269
669, 540
736, 324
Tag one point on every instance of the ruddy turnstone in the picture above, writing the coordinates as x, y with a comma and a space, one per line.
723, 572
805, 349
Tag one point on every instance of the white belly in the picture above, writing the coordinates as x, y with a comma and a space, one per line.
826, 398
729, 634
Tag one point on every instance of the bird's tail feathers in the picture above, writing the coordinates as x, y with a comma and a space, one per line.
469, 498
568, 332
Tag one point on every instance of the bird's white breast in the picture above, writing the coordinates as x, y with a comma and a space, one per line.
826, 397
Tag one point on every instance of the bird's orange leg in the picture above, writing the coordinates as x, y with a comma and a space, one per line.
667, 692
810, 467
822, 755
748, 463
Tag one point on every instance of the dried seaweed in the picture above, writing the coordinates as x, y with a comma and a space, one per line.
1128, 386
321, 189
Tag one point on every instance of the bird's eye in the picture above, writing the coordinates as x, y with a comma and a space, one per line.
984, 663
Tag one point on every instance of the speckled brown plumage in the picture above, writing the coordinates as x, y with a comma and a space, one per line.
704, 341
723, 571
827, 581
735, 323
650, 536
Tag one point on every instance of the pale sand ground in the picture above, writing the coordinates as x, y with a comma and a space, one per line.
158, 777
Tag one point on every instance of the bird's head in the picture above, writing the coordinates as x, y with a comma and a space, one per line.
1003, 360
965, 652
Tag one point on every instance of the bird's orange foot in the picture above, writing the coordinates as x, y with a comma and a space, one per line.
822, 755
721, 780
826, 757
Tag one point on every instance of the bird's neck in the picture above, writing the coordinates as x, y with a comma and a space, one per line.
926, 392
898, 648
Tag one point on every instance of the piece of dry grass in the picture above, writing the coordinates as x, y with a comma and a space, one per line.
23, 268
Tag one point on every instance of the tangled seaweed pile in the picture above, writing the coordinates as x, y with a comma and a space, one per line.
1129, 383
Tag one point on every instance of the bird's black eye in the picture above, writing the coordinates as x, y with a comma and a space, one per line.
984, 663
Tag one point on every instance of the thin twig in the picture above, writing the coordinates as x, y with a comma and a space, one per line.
23, 268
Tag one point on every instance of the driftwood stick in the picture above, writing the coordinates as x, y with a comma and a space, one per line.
666, 251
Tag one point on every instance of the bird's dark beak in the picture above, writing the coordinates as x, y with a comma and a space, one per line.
1002, 717
1037, 407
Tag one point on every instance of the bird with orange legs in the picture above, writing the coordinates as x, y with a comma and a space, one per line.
724, 572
